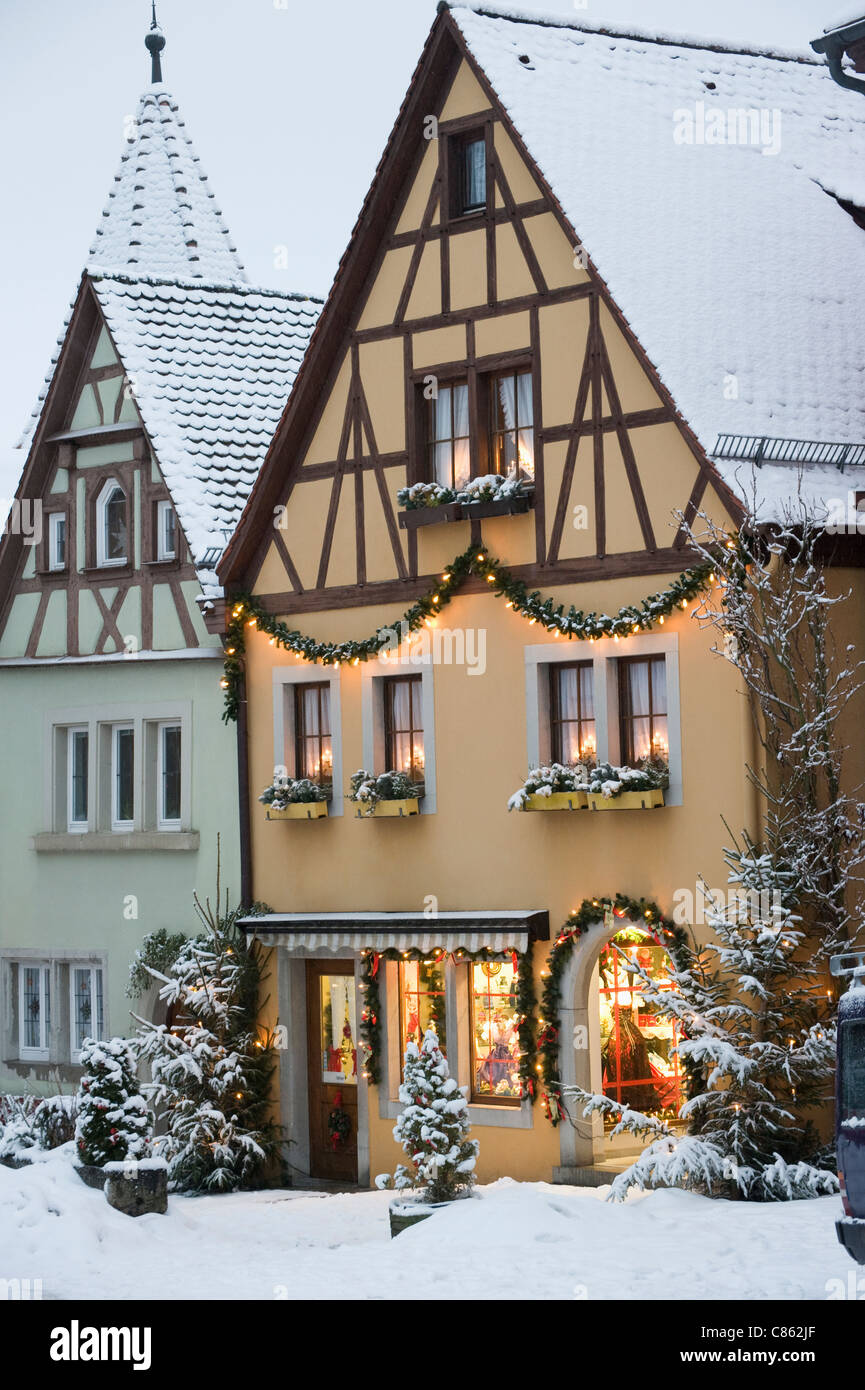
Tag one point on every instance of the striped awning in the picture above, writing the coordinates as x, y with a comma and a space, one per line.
339, 932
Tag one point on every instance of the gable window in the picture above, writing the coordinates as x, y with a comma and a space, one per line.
512, 448
448, 437
122, 777
403, 726
57, 541
643, 709
77, 799
495, 1052
313, 746
111, 529
573, 737
468, 173
34, 1010
168, 777
421, 1002
166, 531
87, 1009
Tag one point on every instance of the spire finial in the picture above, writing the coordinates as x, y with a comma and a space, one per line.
154, 43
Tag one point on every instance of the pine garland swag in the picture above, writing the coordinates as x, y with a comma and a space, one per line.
526, 1005
248, 611
591, 911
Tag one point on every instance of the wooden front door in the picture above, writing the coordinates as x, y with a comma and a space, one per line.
332, 1052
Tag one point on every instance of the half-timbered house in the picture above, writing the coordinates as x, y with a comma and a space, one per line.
118, 774
556, 279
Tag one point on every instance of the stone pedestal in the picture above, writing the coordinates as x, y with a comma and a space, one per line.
137, 1188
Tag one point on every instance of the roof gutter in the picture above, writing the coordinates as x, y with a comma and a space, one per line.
836, 44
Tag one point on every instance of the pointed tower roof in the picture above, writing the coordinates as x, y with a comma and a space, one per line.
161, 217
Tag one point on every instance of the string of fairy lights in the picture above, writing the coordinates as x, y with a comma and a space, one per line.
249, 614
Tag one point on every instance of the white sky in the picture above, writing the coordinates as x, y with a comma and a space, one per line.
288, 102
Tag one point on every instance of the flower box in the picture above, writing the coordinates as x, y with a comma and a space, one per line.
414, 517
299, 810
627, 801
408, 806
502, 506
558, 801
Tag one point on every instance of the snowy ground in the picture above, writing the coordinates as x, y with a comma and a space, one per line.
513, 1239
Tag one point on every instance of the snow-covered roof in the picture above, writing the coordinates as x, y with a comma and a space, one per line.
734, 263
161, 216
210, 368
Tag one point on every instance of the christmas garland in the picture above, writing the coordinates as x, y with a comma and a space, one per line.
662, 931
247, 611
526, 1003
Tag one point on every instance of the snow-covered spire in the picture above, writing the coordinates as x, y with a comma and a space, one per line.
161, 217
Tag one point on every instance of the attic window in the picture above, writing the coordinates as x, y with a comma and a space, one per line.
111, 525
468, 172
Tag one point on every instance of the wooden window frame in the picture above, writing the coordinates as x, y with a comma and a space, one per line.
106, 490
389, 684
488, 378
165, 507
54, 518
301, 738
554, 671
457, 142
429, 414
626, 719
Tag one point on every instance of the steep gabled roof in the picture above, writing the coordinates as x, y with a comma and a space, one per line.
738, 271
161, 217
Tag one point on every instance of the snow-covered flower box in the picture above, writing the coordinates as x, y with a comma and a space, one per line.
627, 788
290, 798
490, 495
553, 788
389, 794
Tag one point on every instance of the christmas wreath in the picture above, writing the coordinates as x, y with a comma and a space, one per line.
338, 1123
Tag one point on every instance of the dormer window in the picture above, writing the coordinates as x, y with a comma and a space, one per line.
57, 541
166, 531
111, 526
468, 173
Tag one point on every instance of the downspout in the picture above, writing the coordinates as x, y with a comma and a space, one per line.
244, 823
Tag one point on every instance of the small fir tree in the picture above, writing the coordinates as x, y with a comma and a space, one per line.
113, 1121
211, 1068
433, 1126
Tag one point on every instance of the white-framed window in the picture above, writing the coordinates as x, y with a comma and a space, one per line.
86, 1006
307, 730
398, 717
169, 776
629, 708
56, 540
34, 1010
112, 541
166, 531
122, 777
77, 779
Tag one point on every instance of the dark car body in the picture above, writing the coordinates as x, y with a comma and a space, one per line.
850, 1119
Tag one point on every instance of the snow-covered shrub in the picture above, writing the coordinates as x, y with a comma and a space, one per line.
158, 950
17, 1134
545, 781
113, 1120
285, 791
610, 781
432, 1127
367, 789
54, 1121
491, 487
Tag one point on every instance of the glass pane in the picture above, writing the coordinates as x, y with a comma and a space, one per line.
169, 531
32, 1005
461, 411
442, 464
659, 685
495, 1045
587, 692
462, 463
124, 762
422, 1002
310, 711
338, 1030
442, 419
660, 740
638, 687
115, 526
568, 693
82, 1006
78, 754
640, 1068
100, 1006
475, 174
851, 1060
526, 454
171, 773
504, 403
525, 415
640, 745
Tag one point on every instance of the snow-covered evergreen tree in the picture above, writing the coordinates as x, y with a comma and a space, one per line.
113, 1121
433, 1126
211, 1068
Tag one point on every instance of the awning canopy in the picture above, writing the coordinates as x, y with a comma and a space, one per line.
510, 930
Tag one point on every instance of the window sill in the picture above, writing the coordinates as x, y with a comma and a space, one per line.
489, 1116
121, 570
410, 520
100, 842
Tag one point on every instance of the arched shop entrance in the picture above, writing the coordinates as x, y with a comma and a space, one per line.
621, 1048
